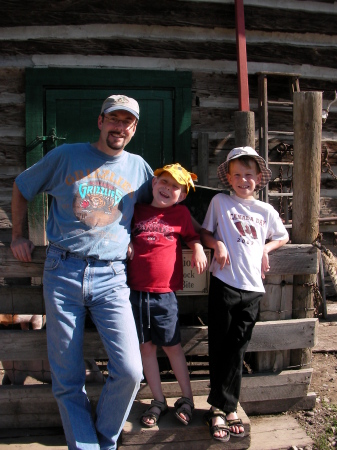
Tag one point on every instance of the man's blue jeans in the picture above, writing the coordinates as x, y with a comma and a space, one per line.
73, 287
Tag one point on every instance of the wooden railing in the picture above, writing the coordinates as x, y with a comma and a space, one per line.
33, 405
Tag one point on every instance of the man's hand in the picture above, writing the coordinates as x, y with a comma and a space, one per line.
22, 249
131, 251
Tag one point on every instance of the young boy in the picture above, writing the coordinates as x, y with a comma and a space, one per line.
236, 227
155, 272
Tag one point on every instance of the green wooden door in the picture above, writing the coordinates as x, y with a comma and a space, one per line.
66, 103
72, 116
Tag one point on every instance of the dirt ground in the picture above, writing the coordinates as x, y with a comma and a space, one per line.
321, 423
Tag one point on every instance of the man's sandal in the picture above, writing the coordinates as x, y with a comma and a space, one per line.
208, 416
236, 423
154, 415
181, 409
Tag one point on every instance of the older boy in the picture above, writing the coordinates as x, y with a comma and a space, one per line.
154, 273
236, 227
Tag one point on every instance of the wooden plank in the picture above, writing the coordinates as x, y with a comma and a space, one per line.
284, 335
267, 433
36, 399
255, 387
21, 300
278, 433
289, 259
260, 393
265, 387
11, 267
169, 431
267, 336
276, 304
280, 405
294, 259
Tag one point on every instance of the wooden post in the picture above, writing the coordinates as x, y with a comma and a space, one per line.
307, 116
244, 129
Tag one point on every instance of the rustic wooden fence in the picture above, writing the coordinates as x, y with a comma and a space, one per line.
272, 386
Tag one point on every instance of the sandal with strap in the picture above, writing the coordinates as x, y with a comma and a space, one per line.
208, 416
153, 415
236, 423
180, 408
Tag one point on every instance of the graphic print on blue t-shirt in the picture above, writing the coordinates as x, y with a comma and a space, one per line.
97, 203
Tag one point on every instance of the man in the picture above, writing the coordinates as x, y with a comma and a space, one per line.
94, 188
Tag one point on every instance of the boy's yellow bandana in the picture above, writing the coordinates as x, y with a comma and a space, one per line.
179, 174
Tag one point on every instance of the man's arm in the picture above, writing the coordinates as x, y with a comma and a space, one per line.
21, 247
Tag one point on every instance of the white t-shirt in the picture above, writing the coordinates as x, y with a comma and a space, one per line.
243, 226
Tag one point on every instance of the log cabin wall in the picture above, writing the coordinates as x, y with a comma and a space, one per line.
196, 36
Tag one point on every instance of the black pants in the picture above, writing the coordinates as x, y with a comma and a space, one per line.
232, 314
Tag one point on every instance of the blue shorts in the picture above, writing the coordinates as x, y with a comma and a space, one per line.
156, 317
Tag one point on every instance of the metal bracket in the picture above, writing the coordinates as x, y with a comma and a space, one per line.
40, 139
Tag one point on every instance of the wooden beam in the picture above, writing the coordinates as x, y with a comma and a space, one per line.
289, 259
21, 300
255, 387
35, 406
306, 202
267, 336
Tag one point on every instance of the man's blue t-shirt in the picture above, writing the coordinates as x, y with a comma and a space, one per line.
93, 197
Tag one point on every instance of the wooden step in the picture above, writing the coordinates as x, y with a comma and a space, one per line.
170, 434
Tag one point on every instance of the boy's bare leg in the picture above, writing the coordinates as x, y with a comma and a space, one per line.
178, 363
152, 374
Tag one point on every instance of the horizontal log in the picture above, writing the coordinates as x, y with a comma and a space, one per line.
289, 259
11, 267
255, 387
21, 300
281, 405
217, 50
34, 405
267, 336
199, 14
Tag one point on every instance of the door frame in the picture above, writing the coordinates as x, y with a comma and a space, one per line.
39, 80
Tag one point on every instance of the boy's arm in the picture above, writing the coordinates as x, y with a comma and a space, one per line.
271, 245
221, 254
199, 259
196, 225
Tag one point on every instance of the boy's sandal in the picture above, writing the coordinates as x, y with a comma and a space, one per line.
181, 409
208, 416
153, 415
236, 423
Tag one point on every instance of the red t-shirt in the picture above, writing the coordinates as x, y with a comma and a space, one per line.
155, 234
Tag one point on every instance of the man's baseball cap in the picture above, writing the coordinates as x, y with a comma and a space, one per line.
120, 102
179, 174
237, 153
